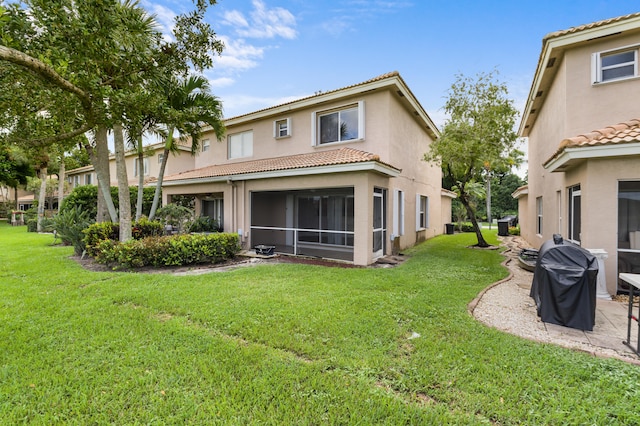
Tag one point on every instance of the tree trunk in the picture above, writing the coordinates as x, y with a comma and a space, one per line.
61, 182
100, 161
124, 198
42, 195
140, 161
163, 165
472, 217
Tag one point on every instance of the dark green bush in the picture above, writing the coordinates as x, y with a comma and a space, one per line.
95, 234
86, 196
144, 228
175, 215
32, 225
168, 251
514, 230
204, 224
70, 225
48, 224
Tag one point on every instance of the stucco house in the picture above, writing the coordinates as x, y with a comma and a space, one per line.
336, 175
582, 121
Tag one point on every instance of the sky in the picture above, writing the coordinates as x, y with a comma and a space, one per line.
280, 50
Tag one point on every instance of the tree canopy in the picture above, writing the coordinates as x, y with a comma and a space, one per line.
478, 138
92, 66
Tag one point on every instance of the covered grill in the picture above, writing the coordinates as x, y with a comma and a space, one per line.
564, 284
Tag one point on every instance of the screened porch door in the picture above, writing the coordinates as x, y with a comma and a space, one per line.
379, 222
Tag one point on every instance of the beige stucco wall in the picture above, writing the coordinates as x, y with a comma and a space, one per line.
575, 106
391, 131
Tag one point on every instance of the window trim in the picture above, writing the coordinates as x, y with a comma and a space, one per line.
539, 215
597, 68
206, 145
398, 213
276, 129
244, 154
573, 192
145, 166
422, 212
315, 127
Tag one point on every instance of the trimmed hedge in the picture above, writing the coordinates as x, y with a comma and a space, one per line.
173, 250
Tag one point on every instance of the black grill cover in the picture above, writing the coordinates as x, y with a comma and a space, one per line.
564, 285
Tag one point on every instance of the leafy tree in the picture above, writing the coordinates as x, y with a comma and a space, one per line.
15, 168
478, 137
80, 54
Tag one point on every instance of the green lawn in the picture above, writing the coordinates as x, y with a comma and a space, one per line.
283, 344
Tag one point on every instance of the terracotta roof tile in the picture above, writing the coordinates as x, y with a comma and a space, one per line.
621, 133
300, 161
589, 26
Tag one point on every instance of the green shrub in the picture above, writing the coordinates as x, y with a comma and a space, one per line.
70, 225
175, 215
174, 250
204, 224
95, 234
144, 228
48, 224
466, 227
86, 196
32, 225
514, 230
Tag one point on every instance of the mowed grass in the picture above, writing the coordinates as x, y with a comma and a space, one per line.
283, 344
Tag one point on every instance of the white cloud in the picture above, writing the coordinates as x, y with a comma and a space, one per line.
238, 104
263, 22
221, 82
238, 55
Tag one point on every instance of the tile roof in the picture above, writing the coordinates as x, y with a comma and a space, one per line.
299, 161
589, 26
375, 79
626, 132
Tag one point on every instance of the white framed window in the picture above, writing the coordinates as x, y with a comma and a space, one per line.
575, 209
160, 158
539, 215
422, 212
240, 145
206, 145
145, 165
615, 65
341, 124
282, 128
88, 179
76, 180
398, 213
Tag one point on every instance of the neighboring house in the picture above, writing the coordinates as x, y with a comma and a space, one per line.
151, 166
582, 120
337, 175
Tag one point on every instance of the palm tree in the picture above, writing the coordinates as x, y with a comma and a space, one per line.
191, 108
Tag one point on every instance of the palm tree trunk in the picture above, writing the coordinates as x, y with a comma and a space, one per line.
140, 161
124, 198
100, 161
42, 195
163, 165
61, 178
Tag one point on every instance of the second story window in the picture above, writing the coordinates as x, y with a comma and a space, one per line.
145, 163
339, 125
615, 65
282, 128
240, 145
206, 145
160, 158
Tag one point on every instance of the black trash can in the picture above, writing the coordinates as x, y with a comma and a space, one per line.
503, 227
564, 285
450, 228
